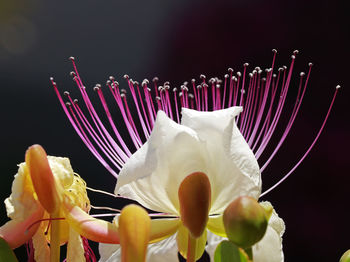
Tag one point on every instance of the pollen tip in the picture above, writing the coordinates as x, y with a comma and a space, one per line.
239, 74
51, 78
202, 76
75, 101
72, 58
295, 52
66, 93
302, 73
246, 64
155, 79
226, 76
193, 80
230, 70
126, 76
274, 50
111, 78
96, 88
68, 104
338, 87
293, 56
311, 64
72, 74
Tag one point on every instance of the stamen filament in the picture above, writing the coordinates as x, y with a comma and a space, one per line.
308, 150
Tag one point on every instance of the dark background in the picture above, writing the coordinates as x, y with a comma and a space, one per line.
178, 40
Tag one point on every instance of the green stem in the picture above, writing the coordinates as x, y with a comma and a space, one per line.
191, 248
55, 238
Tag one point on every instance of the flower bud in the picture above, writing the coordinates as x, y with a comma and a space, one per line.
245, 221
345, 257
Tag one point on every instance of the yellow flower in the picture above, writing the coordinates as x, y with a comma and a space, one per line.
49, 204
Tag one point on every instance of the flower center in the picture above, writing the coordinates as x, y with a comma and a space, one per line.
194, 197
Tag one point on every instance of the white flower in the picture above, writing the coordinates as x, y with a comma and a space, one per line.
207, 142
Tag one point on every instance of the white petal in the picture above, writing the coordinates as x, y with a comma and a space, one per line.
165, 250
232, 168
153, 174
212, 242
269, 249
109, 252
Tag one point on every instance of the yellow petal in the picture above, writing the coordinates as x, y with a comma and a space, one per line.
75, 248
94, 229
42, 178
17, 232
182, 242
134, 228
194, 197
163, 228
216, 225
41, 248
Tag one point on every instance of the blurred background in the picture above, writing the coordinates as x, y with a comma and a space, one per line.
177, 41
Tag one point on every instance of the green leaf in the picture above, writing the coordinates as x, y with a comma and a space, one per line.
6, 253
226, 251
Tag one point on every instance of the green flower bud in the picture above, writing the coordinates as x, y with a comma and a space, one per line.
345, 257
245, 221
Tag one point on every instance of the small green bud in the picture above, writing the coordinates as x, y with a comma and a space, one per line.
345, 257
245, 221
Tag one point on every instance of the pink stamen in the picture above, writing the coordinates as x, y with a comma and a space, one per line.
261, 94
308, 150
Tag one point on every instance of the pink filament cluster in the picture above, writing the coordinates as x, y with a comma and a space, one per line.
262, 94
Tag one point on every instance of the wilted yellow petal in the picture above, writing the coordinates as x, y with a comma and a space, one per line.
17, 232
42, 250
134, 228
94, 229
42, 178
75, 248
194, 197
216, 225
182, 242
163, 228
